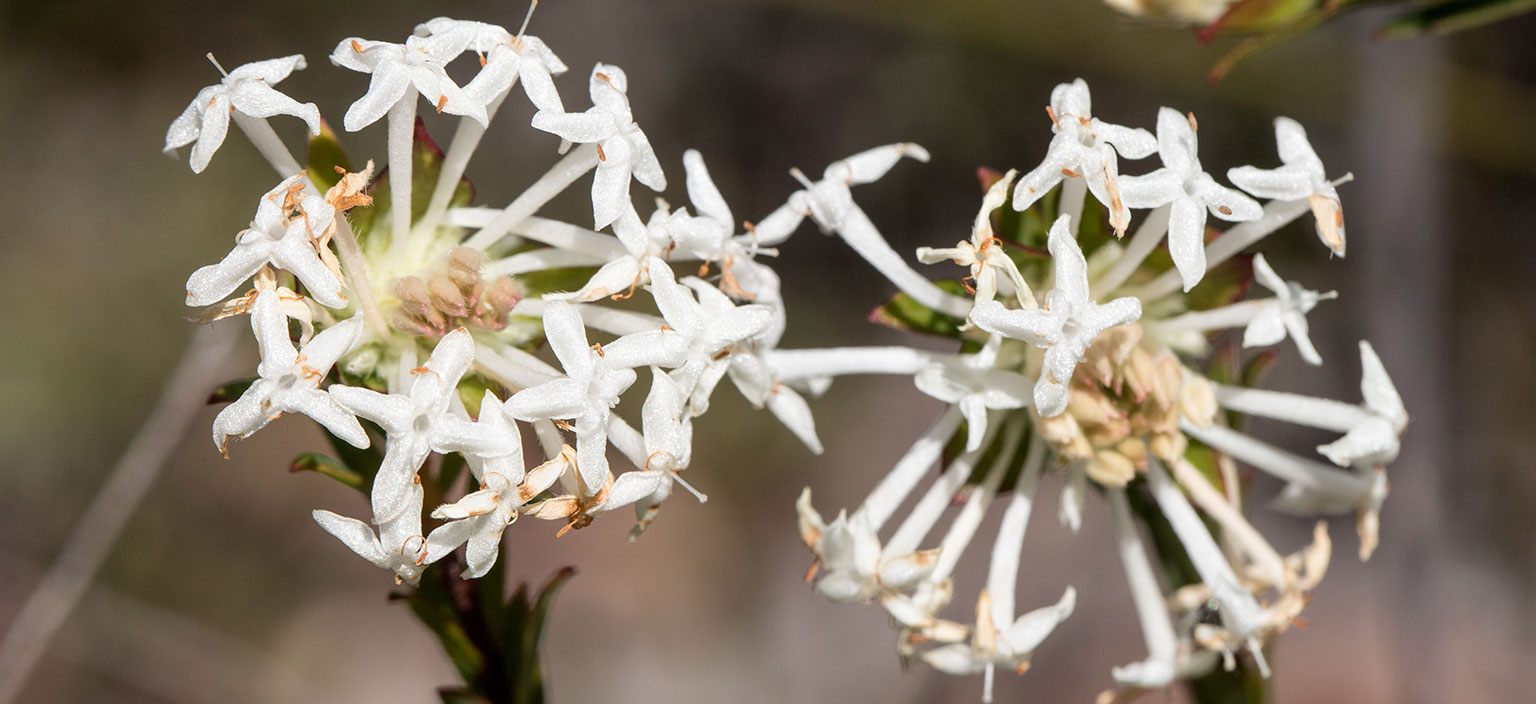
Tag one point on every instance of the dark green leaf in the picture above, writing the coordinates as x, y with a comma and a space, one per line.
434, 604
1224, 284
904, 313
538, 283
229, 391
460, 695
365, 461
326, 466
530, 684
325, 155
1454, 16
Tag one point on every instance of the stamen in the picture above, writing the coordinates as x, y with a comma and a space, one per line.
441, 101
800, 176
1052, 112
1194, 126
600, 155
518, 40
357, 47
216, 65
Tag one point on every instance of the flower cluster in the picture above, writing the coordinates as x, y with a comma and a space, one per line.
1096, 360
391, 312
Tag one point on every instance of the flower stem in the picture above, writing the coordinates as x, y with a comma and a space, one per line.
560, 176
43, 613
402, 128
266, 141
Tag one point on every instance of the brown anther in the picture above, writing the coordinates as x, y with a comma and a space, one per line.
1070, 173
722, 354
598, 348
602, 77
668, 328
810, 572
600, 155
423, 370
916, 638
562, 424
1194, 126
1224, 210
482, 59
1022, 668
704, 269
441, 101
357, 47
1082, 121
1052, 112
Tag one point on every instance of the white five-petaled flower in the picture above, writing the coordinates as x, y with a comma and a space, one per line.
1374, 439
247, 89
622, 148
289, 380
709, 327
417, 423
849, 557
504, 488
972, 384
504, 58
417, 65
1302, 176
1284, 314
399, 546
1065, 326
594, 378
278, 237
1190, 191
1084, 147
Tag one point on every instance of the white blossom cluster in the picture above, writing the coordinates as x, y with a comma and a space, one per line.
1086, 369
443, 284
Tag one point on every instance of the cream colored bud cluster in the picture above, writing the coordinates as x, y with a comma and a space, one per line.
434, 303
1126, 397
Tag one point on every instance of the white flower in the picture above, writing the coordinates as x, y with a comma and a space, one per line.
622, 149
1085, 147
1190, 190
280, 238
1374, 439
668, 433
829, 202
503, 59
594, 378
1011, 646
983, 253
711, 236
418, 423
1302, 176
417, 65
709, 327
488, 511
971, 383
248, 89
289, 380
399, 546
1065, 326
642, 241
1284, 314
848, 552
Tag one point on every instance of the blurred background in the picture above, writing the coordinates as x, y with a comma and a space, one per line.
223, 589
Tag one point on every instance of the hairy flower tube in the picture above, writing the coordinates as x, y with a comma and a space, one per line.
1088, 360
